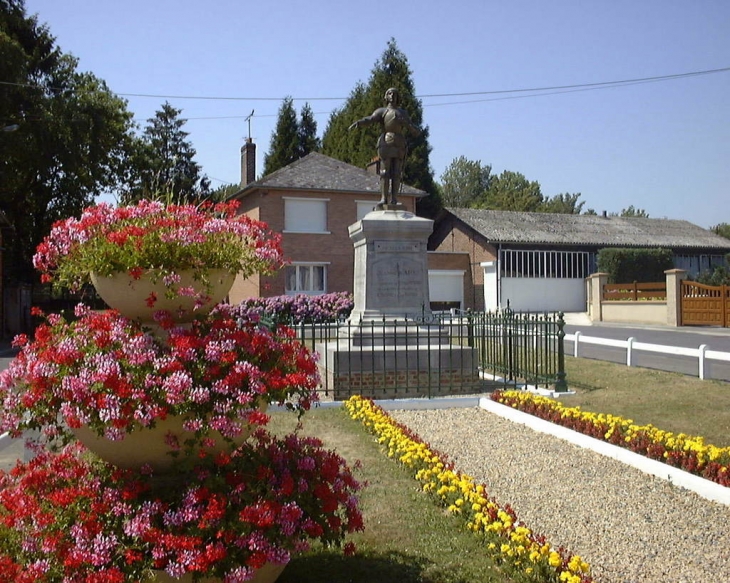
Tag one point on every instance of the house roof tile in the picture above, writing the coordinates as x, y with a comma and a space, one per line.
319, 172
563, 229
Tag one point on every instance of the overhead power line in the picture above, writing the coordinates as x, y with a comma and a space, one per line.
602, 84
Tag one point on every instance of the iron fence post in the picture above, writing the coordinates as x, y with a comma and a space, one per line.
561, 385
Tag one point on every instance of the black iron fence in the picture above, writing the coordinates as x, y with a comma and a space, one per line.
452, 354
521, 348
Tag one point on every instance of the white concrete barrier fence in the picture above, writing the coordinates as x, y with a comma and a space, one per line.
701, 353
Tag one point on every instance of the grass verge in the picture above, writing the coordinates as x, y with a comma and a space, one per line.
669, 401
407, 539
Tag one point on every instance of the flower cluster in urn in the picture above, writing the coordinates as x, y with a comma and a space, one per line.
226, 501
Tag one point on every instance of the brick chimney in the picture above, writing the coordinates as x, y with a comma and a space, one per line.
374, 166
248, 162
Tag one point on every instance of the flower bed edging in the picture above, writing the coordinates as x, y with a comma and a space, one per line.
701, 486
523, 553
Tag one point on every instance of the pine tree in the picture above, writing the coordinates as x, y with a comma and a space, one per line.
358, 148
284, 148
307, 132
164, 162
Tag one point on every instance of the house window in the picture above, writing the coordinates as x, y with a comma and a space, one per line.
306, 278
364, 207
305, 215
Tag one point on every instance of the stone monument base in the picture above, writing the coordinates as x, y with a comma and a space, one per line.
393, 371
393, 333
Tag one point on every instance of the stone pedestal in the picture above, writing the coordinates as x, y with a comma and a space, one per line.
391, 266
391, 347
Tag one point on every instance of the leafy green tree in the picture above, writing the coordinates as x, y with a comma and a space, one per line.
358, 148
511, 191
163, 162
284, 147
722, 229
566, 204
464, 181
222, 193
634, 212
73, 138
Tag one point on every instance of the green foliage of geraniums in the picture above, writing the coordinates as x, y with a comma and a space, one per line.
158, 239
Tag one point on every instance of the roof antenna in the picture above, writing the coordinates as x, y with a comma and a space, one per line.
248, 119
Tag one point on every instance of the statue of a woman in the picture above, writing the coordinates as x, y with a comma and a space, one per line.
392, 146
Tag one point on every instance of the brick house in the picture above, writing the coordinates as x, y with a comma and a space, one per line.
539, 261
311, 202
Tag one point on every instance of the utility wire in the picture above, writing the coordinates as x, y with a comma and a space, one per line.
463, 94
536, 93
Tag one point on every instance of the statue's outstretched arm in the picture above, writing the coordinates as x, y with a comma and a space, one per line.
376, 117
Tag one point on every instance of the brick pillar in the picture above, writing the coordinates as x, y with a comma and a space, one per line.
248, 162
674, 295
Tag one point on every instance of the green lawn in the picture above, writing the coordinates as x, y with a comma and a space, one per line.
407, 538
669, 401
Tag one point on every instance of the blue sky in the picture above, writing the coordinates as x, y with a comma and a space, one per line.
662, 146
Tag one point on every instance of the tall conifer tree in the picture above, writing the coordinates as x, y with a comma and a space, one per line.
307, 132
284, 147
164, 162
358, 148
291, 139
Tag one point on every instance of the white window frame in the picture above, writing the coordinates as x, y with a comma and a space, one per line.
546, 264
291, 211
299, 265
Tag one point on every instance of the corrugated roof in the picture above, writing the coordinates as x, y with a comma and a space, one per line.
562, 229
319, 172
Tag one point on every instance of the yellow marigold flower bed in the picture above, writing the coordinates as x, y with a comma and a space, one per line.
526, 555
687, 452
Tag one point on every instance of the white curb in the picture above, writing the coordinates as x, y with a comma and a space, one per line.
705, 488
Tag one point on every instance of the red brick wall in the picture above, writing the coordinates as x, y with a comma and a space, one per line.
334, 248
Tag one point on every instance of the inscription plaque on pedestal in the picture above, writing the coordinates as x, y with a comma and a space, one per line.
391, 265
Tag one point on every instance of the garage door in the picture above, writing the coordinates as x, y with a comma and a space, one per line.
446, 289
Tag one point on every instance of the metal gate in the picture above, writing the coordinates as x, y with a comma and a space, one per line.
705, 305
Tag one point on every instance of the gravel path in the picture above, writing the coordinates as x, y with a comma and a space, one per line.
630, 527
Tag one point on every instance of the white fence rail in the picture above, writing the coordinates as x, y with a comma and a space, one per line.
701, 353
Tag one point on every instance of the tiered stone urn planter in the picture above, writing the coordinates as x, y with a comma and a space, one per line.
150, 446
169, 390
133, 297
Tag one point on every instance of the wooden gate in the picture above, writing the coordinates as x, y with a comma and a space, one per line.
705, 305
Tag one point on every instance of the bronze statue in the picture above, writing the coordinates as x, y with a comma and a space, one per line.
392, 146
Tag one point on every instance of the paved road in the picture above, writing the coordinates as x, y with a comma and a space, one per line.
686, 337
10, 450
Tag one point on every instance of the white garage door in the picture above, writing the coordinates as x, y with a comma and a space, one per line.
446, 289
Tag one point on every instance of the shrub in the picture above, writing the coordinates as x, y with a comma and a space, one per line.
629, 265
